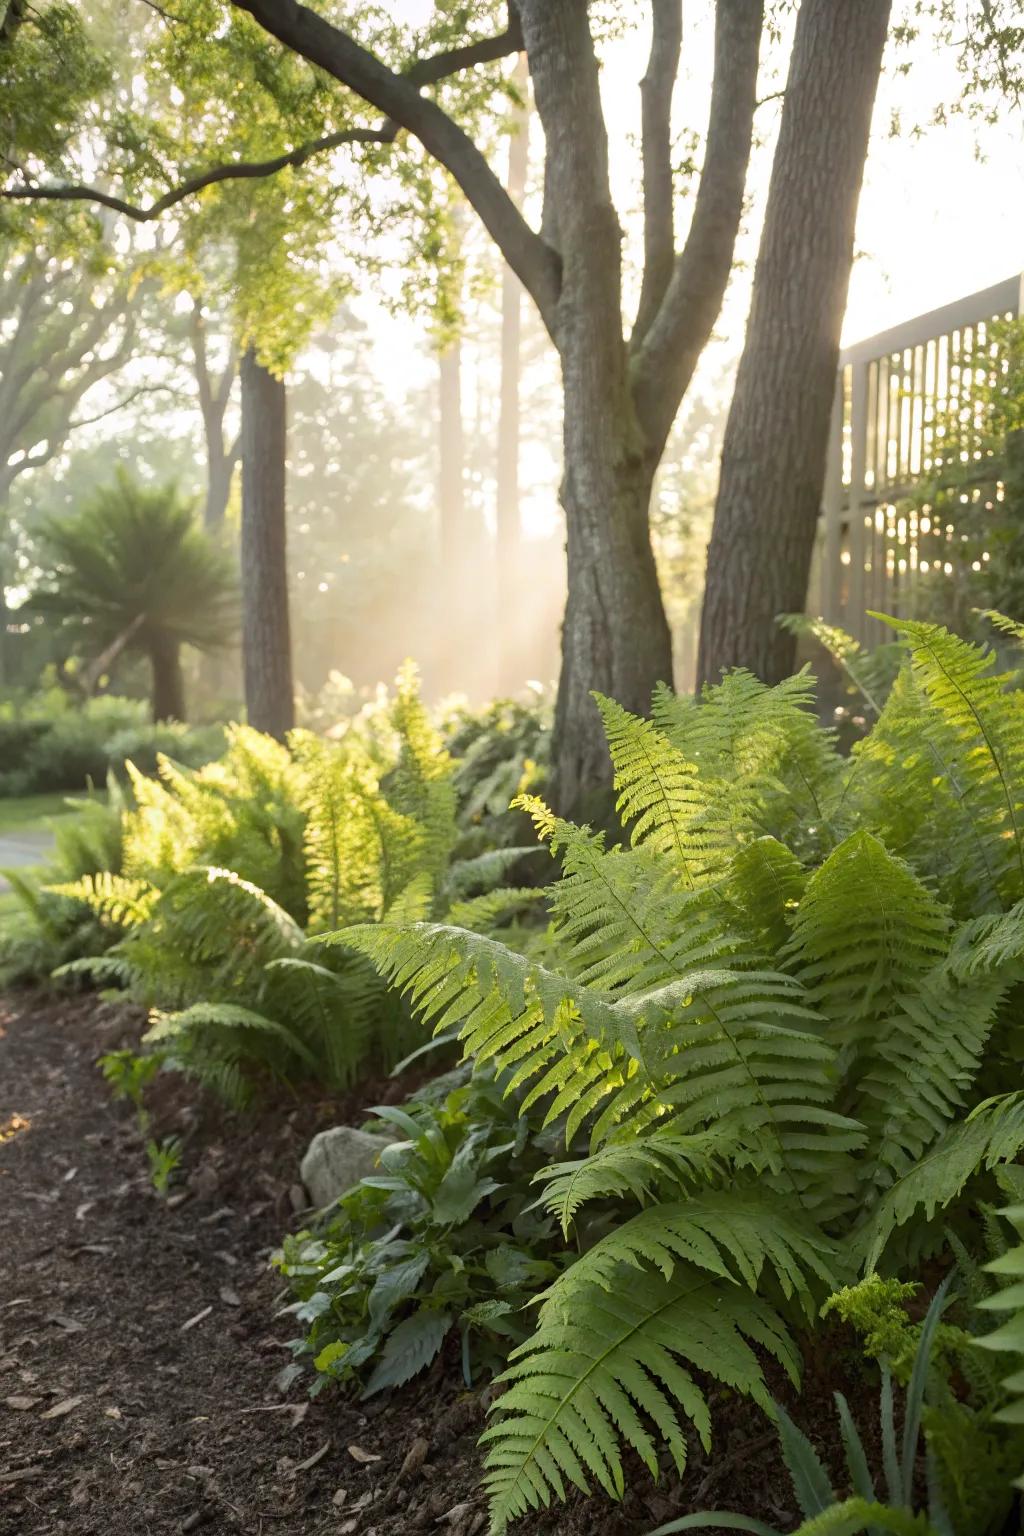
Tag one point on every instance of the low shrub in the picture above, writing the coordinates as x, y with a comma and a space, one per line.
69, 747
446, 1239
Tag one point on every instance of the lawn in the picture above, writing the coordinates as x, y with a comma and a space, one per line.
31, 812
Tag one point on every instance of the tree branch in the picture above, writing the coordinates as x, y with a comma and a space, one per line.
240, 170
667, 356
398, 97
656, 90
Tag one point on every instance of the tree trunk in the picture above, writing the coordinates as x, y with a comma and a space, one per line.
168, 701
776, 437
615, 637
220, 469
508, 527
266, 633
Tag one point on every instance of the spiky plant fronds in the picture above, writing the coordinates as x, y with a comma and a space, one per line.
619, 1336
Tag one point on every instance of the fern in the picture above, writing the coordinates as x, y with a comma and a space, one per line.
992, 1134
115, 899
641, 1169
1008, 1338
662, 798
870, 672
986, 725
616, 1361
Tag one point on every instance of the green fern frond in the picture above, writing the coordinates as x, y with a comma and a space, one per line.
1002, 622
717, 1047
1008, 1338
992, 945
871, 672
420, 786
478, 876
663, 1160
622, 1360
986, 724
332, 1011
208, 1034
865, 932
763, 746
662, 799
484, 913
992, 1134
730, 1233
766, 883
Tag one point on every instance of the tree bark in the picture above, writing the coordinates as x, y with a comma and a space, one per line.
508, 528
776, 437
266, 631
168, 702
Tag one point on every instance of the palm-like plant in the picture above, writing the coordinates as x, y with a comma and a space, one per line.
133, 570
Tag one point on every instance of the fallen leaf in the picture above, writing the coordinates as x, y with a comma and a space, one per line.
455, 1515
348, 1527
197, 1319
340, 1495
82, 1211
311, 1461
70, 1175
69, 1324
415, 1456
112, 1413
364, 1457
21, 1404
230, 1297
66, 1405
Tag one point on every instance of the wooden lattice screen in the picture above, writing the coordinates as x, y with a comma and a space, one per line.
892, 389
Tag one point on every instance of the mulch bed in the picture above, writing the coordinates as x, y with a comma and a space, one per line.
139, 1347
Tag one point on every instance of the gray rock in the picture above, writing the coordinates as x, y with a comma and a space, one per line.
337, 1159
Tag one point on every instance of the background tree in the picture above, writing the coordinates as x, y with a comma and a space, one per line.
776, 437
132, 570
620, 400
507, 516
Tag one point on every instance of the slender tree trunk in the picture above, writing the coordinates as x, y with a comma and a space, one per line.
776, 437
168, 701
266, 632
451, 464
220, 469
508, 526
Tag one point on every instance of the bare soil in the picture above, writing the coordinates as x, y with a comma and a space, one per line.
141, 1340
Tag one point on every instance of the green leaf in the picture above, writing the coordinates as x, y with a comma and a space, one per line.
409, 1349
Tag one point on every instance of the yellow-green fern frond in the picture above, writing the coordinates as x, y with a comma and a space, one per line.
115, 899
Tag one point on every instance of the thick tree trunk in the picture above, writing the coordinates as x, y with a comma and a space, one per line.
776, 438
168, 702
508, 528
615, 636
266, 631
